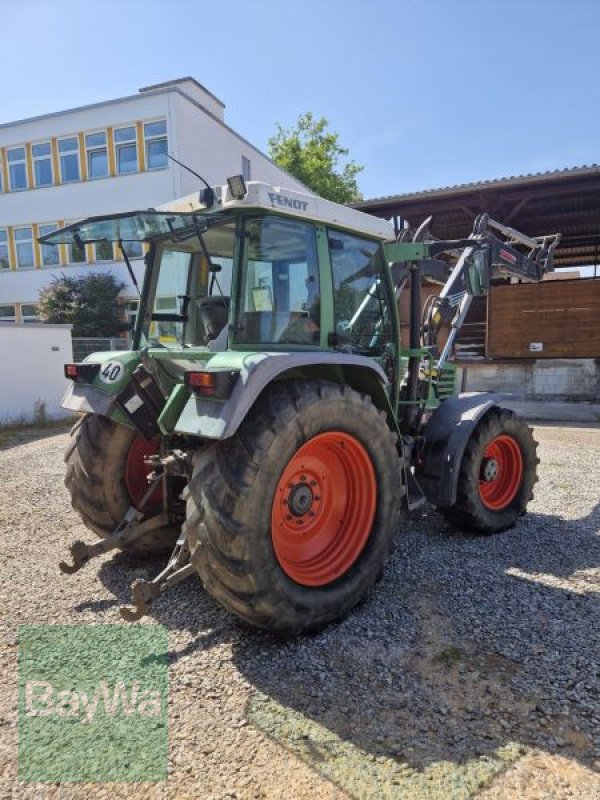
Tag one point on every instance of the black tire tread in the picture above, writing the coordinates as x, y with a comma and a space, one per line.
468, 513
95, 463
222, 507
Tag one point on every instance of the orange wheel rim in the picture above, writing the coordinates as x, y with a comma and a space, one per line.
501, 472
136, 472
323, 509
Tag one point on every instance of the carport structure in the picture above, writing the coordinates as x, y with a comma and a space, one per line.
543, 340
565, 200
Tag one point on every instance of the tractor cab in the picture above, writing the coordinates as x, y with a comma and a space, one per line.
262, 260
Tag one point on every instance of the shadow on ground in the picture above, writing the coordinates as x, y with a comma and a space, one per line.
467, 645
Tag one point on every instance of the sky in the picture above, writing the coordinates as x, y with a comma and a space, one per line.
423, 94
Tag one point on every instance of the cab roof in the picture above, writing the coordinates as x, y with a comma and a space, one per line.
288, 201
175, 218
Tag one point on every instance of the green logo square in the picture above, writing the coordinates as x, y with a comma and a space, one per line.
93, 702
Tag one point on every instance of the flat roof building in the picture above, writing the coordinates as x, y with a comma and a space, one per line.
104, 158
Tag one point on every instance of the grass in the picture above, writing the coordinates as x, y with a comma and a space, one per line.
20, 430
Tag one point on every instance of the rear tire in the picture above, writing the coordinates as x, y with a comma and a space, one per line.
96, 458
497, 474
242, 541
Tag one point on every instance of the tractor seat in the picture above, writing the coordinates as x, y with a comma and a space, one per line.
212, 314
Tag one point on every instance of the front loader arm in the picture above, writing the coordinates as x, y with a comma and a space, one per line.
489, 257
484, 256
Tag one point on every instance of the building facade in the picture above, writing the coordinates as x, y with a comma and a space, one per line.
102, 159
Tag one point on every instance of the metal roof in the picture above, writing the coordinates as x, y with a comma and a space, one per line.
562, 200
512, 180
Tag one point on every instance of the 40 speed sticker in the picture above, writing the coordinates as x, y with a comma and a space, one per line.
111, 371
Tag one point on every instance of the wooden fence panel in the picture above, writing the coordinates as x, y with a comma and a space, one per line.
553, 319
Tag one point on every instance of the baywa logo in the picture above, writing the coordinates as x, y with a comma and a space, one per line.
43, 700
93, 703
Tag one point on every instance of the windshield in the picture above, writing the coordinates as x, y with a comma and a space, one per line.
189, 293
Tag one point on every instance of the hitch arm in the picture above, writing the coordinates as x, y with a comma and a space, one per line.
128, 530
143, 592
124, 534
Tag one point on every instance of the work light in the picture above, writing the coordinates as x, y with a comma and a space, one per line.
237, 186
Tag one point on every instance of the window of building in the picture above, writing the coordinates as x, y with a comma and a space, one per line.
7, 314
50, 254
133, 249
104, 251
4, 252
29, 313
68, 150
17, 170
131, 310
24, 247
96, 154
77, 254
155, 138
246, 171
42, 164
126, 150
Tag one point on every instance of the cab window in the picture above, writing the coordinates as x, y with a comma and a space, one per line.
279, 288
361, 315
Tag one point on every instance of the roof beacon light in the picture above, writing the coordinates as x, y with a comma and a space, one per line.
237, 186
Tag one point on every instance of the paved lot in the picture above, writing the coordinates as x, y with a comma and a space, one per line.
472, 671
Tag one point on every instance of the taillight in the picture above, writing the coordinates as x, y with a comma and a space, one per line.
81, 373
216, 383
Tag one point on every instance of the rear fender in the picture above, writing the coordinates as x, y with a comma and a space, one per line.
213, 419
86, 399
446, 435
97, 397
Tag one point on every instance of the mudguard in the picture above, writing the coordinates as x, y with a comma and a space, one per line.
446, 435
213, 419
97, 397
87, 399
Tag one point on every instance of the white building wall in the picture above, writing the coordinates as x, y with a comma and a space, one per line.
196, 135
79, 199
32, 359
215, 151
72, 201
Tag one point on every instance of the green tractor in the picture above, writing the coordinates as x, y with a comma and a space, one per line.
270, 426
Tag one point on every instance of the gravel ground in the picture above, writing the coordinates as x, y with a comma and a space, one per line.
472, 670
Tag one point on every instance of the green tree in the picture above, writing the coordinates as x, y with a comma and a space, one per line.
313, 155
89, 304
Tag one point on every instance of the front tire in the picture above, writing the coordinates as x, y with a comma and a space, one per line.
106, 475
291, 521
497, 474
